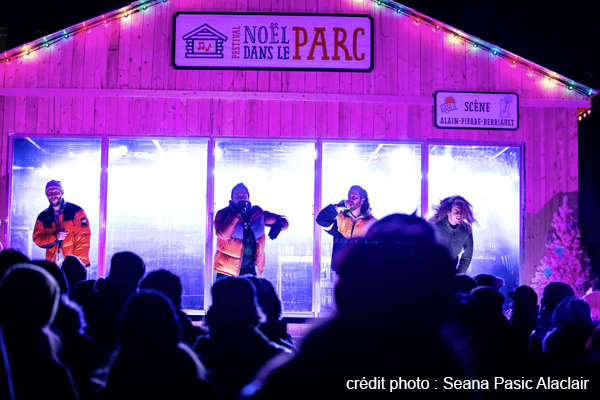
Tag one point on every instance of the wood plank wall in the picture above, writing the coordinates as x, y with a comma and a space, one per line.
412, 61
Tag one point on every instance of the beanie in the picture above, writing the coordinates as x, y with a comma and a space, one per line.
54, 185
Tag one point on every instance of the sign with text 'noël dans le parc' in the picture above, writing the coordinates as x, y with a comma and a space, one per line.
476, 110
304, 42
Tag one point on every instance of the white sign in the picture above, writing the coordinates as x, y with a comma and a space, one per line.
476, 110
273, 41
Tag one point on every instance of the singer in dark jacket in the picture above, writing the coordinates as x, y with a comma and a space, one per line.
346, 220
453, 222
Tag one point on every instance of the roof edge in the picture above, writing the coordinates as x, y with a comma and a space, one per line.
493, 49
140, 5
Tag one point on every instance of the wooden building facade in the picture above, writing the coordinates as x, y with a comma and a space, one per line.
114, 77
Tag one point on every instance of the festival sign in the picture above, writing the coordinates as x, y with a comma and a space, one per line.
476, 110
302, 42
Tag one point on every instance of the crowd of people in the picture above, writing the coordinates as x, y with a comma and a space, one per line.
405, 325
407, 318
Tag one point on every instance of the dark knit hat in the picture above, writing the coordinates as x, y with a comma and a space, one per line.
54, 185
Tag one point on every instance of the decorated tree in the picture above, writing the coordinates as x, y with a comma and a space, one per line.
565, 259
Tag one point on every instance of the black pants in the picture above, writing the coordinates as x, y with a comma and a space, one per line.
243, 271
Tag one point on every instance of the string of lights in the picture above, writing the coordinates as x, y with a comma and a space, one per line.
104, 19
477, 43
418, 18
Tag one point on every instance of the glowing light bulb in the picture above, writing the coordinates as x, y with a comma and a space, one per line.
579, 117
589, 111
570, 87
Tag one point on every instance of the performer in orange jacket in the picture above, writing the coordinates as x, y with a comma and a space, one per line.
63, 228
349, 219
240, 230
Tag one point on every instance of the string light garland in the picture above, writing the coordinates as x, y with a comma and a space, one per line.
135, 7
481, 44
584, 114
47, 41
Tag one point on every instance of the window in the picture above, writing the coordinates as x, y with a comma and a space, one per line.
489, 178
391, 175
280, 179
74, 162
161, 196
155, 200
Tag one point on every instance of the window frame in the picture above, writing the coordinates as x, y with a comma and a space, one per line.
210, 192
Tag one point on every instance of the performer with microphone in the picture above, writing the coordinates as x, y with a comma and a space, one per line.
63, 228
346, 220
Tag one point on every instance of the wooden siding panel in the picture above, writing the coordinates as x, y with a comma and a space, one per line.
483, 63
66, 106
205, 117
124, 48
112, 116
100, 115
147, 53
333, 120
158, 112
274, 118
529, 196
561, 152
89, 57
54, 64
79, 57
169, 78
25, 117
44, 58
252, 118
180, 117
263, 118
42, 115
216, 108
112, 58
572, 152
101, 59
77, 115
88, 114
227, 116
310, 117
414, 59
32, 69
239, 119
135, 49
160, 61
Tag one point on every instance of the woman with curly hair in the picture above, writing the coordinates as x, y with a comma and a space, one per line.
453, 219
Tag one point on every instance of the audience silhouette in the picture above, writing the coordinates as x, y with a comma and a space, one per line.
403, 322
234, 350
152, 362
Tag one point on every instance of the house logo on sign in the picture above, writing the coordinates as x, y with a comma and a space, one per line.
204, 42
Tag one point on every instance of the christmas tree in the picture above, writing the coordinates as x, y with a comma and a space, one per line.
565, 260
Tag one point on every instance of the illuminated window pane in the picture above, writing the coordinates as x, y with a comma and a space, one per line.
74, 162
156, 208
280, 179
391, 175
489, 178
